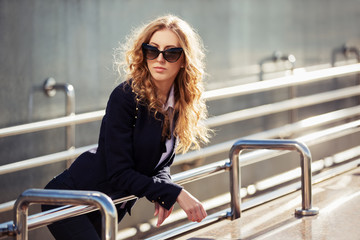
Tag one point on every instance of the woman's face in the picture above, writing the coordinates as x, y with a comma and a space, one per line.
162, 71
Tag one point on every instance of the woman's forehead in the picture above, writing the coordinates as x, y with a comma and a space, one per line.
165, 37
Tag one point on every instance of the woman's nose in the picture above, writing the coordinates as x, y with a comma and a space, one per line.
160, 58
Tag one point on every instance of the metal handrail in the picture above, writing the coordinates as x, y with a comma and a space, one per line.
214, 121
211, 95
54, 197
310, 139
256, 201
50, 216
294, 80
277, 107
211, 122
290, 145
43, 160
282, 82
45, 218
75, 197
250, 158
283, 131
52, 123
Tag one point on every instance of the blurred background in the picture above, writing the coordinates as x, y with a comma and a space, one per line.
73, 42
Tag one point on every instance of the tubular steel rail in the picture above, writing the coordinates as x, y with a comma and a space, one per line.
227, 118
284, 131
45, 218
282, 82
294, 80
50, 86
290, 145
38, 220
56, 197
240, 115
261, 155
75, 197
253, 157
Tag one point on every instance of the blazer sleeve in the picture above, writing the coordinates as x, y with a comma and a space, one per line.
162, 175
119, 154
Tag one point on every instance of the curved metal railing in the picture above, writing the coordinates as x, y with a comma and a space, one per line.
289, 145
108, 210
192, 175
294, 80
45, 218
55, 197
260, 155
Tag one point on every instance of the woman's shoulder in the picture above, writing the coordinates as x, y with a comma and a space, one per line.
122, 95
123, 90
125, 87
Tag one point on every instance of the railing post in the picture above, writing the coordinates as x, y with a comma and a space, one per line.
290, 145
56, 197
50, 86
235, 183
306, 180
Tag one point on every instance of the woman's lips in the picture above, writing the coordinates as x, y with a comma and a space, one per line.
159, 69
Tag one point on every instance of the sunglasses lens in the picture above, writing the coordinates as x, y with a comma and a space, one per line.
150, 52
173, 54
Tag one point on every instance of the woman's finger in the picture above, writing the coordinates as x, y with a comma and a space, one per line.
156, 209
203, 212
161, 217
169, 212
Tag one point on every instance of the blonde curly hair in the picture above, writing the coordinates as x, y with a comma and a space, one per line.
188, 85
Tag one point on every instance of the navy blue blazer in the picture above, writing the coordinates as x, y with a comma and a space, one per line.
129, 148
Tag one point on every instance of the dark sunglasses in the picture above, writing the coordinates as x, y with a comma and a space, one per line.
171, 55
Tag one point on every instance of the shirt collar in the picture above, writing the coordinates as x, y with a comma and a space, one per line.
171, 99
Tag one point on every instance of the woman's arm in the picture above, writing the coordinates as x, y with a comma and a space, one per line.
191, 206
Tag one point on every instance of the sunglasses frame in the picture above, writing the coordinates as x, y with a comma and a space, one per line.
146, 46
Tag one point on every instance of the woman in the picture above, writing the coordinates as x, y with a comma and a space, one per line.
158, 111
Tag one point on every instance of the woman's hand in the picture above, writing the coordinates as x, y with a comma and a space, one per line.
192, 207
162, 213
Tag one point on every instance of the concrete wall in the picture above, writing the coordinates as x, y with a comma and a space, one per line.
73, 42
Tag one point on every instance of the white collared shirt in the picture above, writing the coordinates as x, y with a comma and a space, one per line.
169, 143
